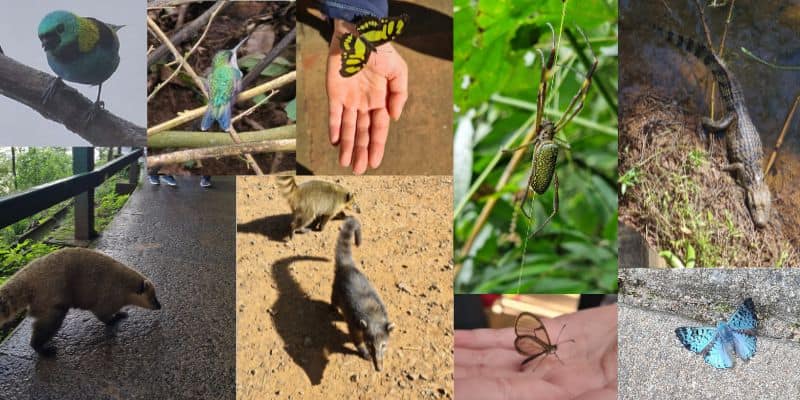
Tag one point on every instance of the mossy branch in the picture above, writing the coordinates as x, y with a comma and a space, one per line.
67, 106
177, 157
209, 139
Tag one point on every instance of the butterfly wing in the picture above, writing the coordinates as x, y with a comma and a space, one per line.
696, 339
528, 324
378, 31
744, 344
355, 55
744, 323
529, 346
744, 319
717, 355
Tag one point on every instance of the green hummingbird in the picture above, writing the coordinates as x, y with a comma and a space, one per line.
223, 84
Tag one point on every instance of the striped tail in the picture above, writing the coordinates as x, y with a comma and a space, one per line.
730, 90
344, 257
287, 184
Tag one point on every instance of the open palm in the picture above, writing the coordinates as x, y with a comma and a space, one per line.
488, 366
360, 106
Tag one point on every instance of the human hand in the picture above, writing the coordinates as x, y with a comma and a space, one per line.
488, 366
360, 106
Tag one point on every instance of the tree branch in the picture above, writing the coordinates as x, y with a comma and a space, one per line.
208, 139
184, 33
177, 157
67, 106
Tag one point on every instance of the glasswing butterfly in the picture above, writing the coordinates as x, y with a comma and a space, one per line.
532, 338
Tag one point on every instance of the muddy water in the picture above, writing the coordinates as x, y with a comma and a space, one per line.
770, 29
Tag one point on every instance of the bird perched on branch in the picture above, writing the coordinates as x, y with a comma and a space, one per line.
223, 86
79, 49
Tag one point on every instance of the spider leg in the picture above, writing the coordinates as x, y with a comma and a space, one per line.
576, 103
547, 67
555, 206
528, 188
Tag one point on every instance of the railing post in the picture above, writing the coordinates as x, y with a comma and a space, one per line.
83, 161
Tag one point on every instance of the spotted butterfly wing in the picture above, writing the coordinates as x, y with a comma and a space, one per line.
744, 323
378, 31
532, 338
704, 340
372, 32
355, 54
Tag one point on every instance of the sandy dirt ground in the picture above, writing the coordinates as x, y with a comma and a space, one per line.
289, 343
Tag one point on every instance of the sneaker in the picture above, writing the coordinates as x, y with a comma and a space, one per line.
205, 181
169, 180
153, 179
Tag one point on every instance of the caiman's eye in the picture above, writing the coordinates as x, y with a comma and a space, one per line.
60, 28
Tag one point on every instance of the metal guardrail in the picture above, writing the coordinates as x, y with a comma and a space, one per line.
17, 206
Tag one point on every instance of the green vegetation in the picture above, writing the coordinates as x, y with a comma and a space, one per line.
496, 75
37, 166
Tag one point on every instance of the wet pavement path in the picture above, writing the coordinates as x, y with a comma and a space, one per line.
183, 239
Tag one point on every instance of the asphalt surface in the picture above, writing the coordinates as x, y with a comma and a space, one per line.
653, 363
182, 239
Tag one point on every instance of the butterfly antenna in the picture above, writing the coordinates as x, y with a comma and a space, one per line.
559, 335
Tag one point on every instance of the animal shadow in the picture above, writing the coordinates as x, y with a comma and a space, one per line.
274, 227
305, 325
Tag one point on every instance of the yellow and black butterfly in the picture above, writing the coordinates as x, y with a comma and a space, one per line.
532, 339
372, 32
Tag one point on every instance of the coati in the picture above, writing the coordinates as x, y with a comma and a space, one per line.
358, 301
73, 278
315, 199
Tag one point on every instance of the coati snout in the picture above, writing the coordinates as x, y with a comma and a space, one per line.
73, 278
145, 297
377, 339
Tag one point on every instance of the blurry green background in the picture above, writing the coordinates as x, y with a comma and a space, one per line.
496, 75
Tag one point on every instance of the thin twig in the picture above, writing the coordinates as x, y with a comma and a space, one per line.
182, 60
177, 157
269, 58
189, 70
198, 112
247, 156
185, 33
769, 64
785, 129
253, 108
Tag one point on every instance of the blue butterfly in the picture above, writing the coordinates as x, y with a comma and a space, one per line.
716, 344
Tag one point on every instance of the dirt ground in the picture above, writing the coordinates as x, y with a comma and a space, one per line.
289, 343
683, 197
265, 23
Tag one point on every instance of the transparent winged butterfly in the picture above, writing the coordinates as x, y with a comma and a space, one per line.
532, 338
717, 343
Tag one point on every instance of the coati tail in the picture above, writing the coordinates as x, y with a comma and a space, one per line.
729, 87
344, 257
288, 185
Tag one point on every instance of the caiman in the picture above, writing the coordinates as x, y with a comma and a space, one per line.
741, 137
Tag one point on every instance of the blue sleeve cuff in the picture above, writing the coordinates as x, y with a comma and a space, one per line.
351, 10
